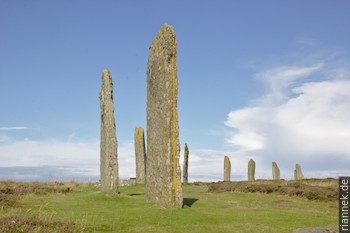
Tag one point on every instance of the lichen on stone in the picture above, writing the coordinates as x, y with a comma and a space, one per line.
163, 174
251, 170
109, 177
140, 155
227, 169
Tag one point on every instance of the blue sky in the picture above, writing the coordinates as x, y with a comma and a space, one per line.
267, 80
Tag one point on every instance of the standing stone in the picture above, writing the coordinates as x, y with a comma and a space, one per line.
275, 171
140, 155
163, 173
227, 169
185, 167
251, 170
298, 174
108, 148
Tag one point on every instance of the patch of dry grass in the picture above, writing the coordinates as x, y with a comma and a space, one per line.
312, 189
11, 194
21, 188
32, 224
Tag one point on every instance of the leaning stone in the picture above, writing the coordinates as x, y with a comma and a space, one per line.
185, 166
251, 170
227, 169
140, 155
298, 174
108, 148
163, 173
275, 171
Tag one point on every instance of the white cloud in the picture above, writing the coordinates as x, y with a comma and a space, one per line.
296, 120
126, 159
284, 75
208, 165
4, 138
46, 153
80, 156
280, 78
246, 122
33, 160
318, 116
247, 141
67, 160
13, 128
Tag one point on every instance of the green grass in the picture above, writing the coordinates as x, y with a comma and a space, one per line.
93, 211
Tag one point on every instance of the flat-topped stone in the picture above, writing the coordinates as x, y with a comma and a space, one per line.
227, 169
140, 155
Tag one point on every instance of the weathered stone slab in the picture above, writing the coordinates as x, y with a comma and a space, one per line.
251, 170
185, 166
298, 174
275, 171
140, 155
163, 173
227, 169
108, 148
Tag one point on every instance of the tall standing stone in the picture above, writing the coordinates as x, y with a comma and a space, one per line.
140, 155
298, 174
251, 170
108, 148
185, 166
227, 169
275, 171
163, 173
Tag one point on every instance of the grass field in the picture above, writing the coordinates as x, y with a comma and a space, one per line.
73, 207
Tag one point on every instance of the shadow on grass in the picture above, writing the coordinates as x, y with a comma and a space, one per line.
136, 194
189, 201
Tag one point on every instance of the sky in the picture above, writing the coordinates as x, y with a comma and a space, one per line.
267, 80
